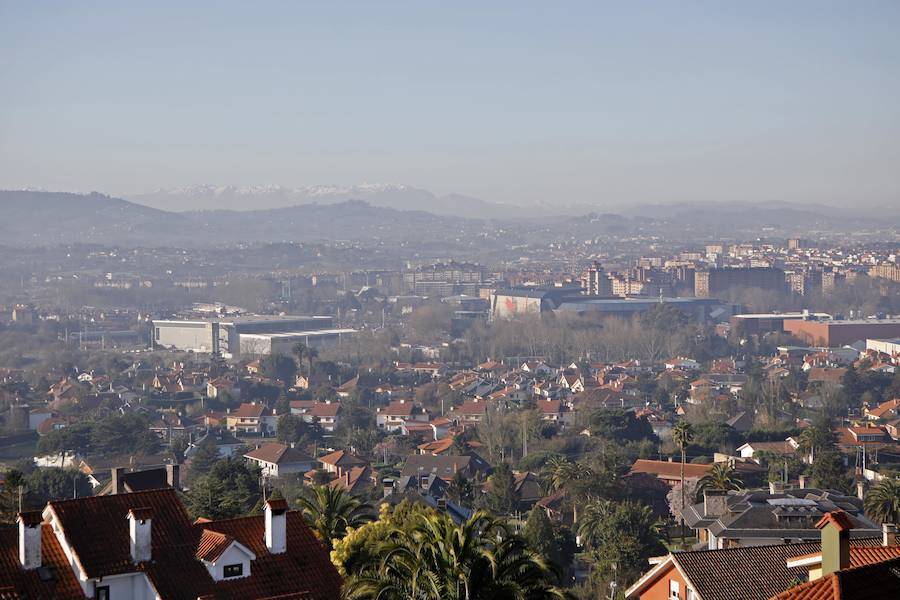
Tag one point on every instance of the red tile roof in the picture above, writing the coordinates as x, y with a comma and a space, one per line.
278, 454
838, 518
212, 545
325, 409
16, 582
398, 408
882, 409
669, 470
341, 458
247, 411
98, 532
868, 582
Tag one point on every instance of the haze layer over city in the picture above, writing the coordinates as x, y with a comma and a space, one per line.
379, 301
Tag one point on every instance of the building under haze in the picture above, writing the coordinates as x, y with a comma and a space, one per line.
715, 281
250, 335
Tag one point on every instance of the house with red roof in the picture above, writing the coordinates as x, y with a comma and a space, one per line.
252, 418
278, 460
144, 545
326, 414
392, 417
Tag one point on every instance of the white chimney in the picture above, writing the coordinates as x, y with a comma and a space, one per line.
888, 534
276, 525
139, 522
30, 539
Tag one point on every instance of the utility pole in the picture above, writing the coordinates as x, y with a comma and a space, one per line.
524, 435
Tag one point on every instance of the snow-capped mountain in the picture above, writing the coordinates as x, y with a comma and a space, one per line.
387, 195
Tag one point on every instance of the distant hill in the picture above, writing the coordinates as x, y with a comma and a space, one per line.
47, 218
384, 195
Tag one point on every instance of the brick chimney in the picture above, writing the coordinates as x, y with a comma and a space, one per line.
276, 525
30, 539
715, 503
835, 527
139, 533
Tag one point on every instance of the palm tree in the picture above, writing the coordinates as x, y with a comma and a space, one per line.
432, 559
574, 478
682, 435
883, 501
306, 352
721, 477
330, 511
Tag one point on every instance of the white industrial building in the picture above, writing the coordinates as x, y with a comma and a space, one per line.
246, 335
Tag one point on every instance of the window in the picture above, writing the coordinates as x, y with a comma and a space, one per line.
157, 334
102, 593
234, 570
674, 589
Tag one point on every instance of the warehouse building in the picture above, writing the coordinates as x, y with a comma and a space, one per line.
246, 335
842, 332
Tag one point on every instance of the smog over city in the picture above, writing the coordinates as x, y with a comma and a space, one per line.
392, 300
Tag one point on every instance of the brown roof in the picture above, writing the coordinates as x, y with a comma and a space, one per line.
341, 458
16, 582
278, 454
549, 407
669, 470
398, 408
249, 410
325, 409
827, 375
882, 409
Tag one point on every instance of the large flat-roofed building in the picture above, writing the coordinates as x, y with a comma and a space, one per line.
247, 335
842, 332
514, 302
758, 323
891, 347
715, 281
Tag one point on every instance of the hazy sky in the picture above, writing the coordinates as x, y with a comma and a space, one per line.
555, 102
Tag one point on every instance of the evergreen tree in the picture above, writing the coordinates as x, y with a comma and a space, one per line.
501, 496
203, 460
460, 490
230, 489
828, 471
538, 533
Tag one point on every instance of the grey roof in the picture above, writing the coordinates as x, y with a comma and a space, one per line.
789, 515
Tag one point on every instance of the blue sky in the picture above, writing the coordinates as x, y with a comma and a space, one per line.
529, 102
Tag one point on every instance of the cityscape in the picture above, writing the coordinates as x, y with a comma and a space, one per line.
575, 380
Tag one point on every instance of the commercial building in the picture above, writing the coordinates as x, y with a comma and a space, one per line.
840, 333
509, 303
758, 323
444, 279
891, 347
245, 335
715, 281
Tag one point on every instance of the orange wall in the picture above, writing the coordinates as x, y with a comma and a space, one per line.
659, 590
